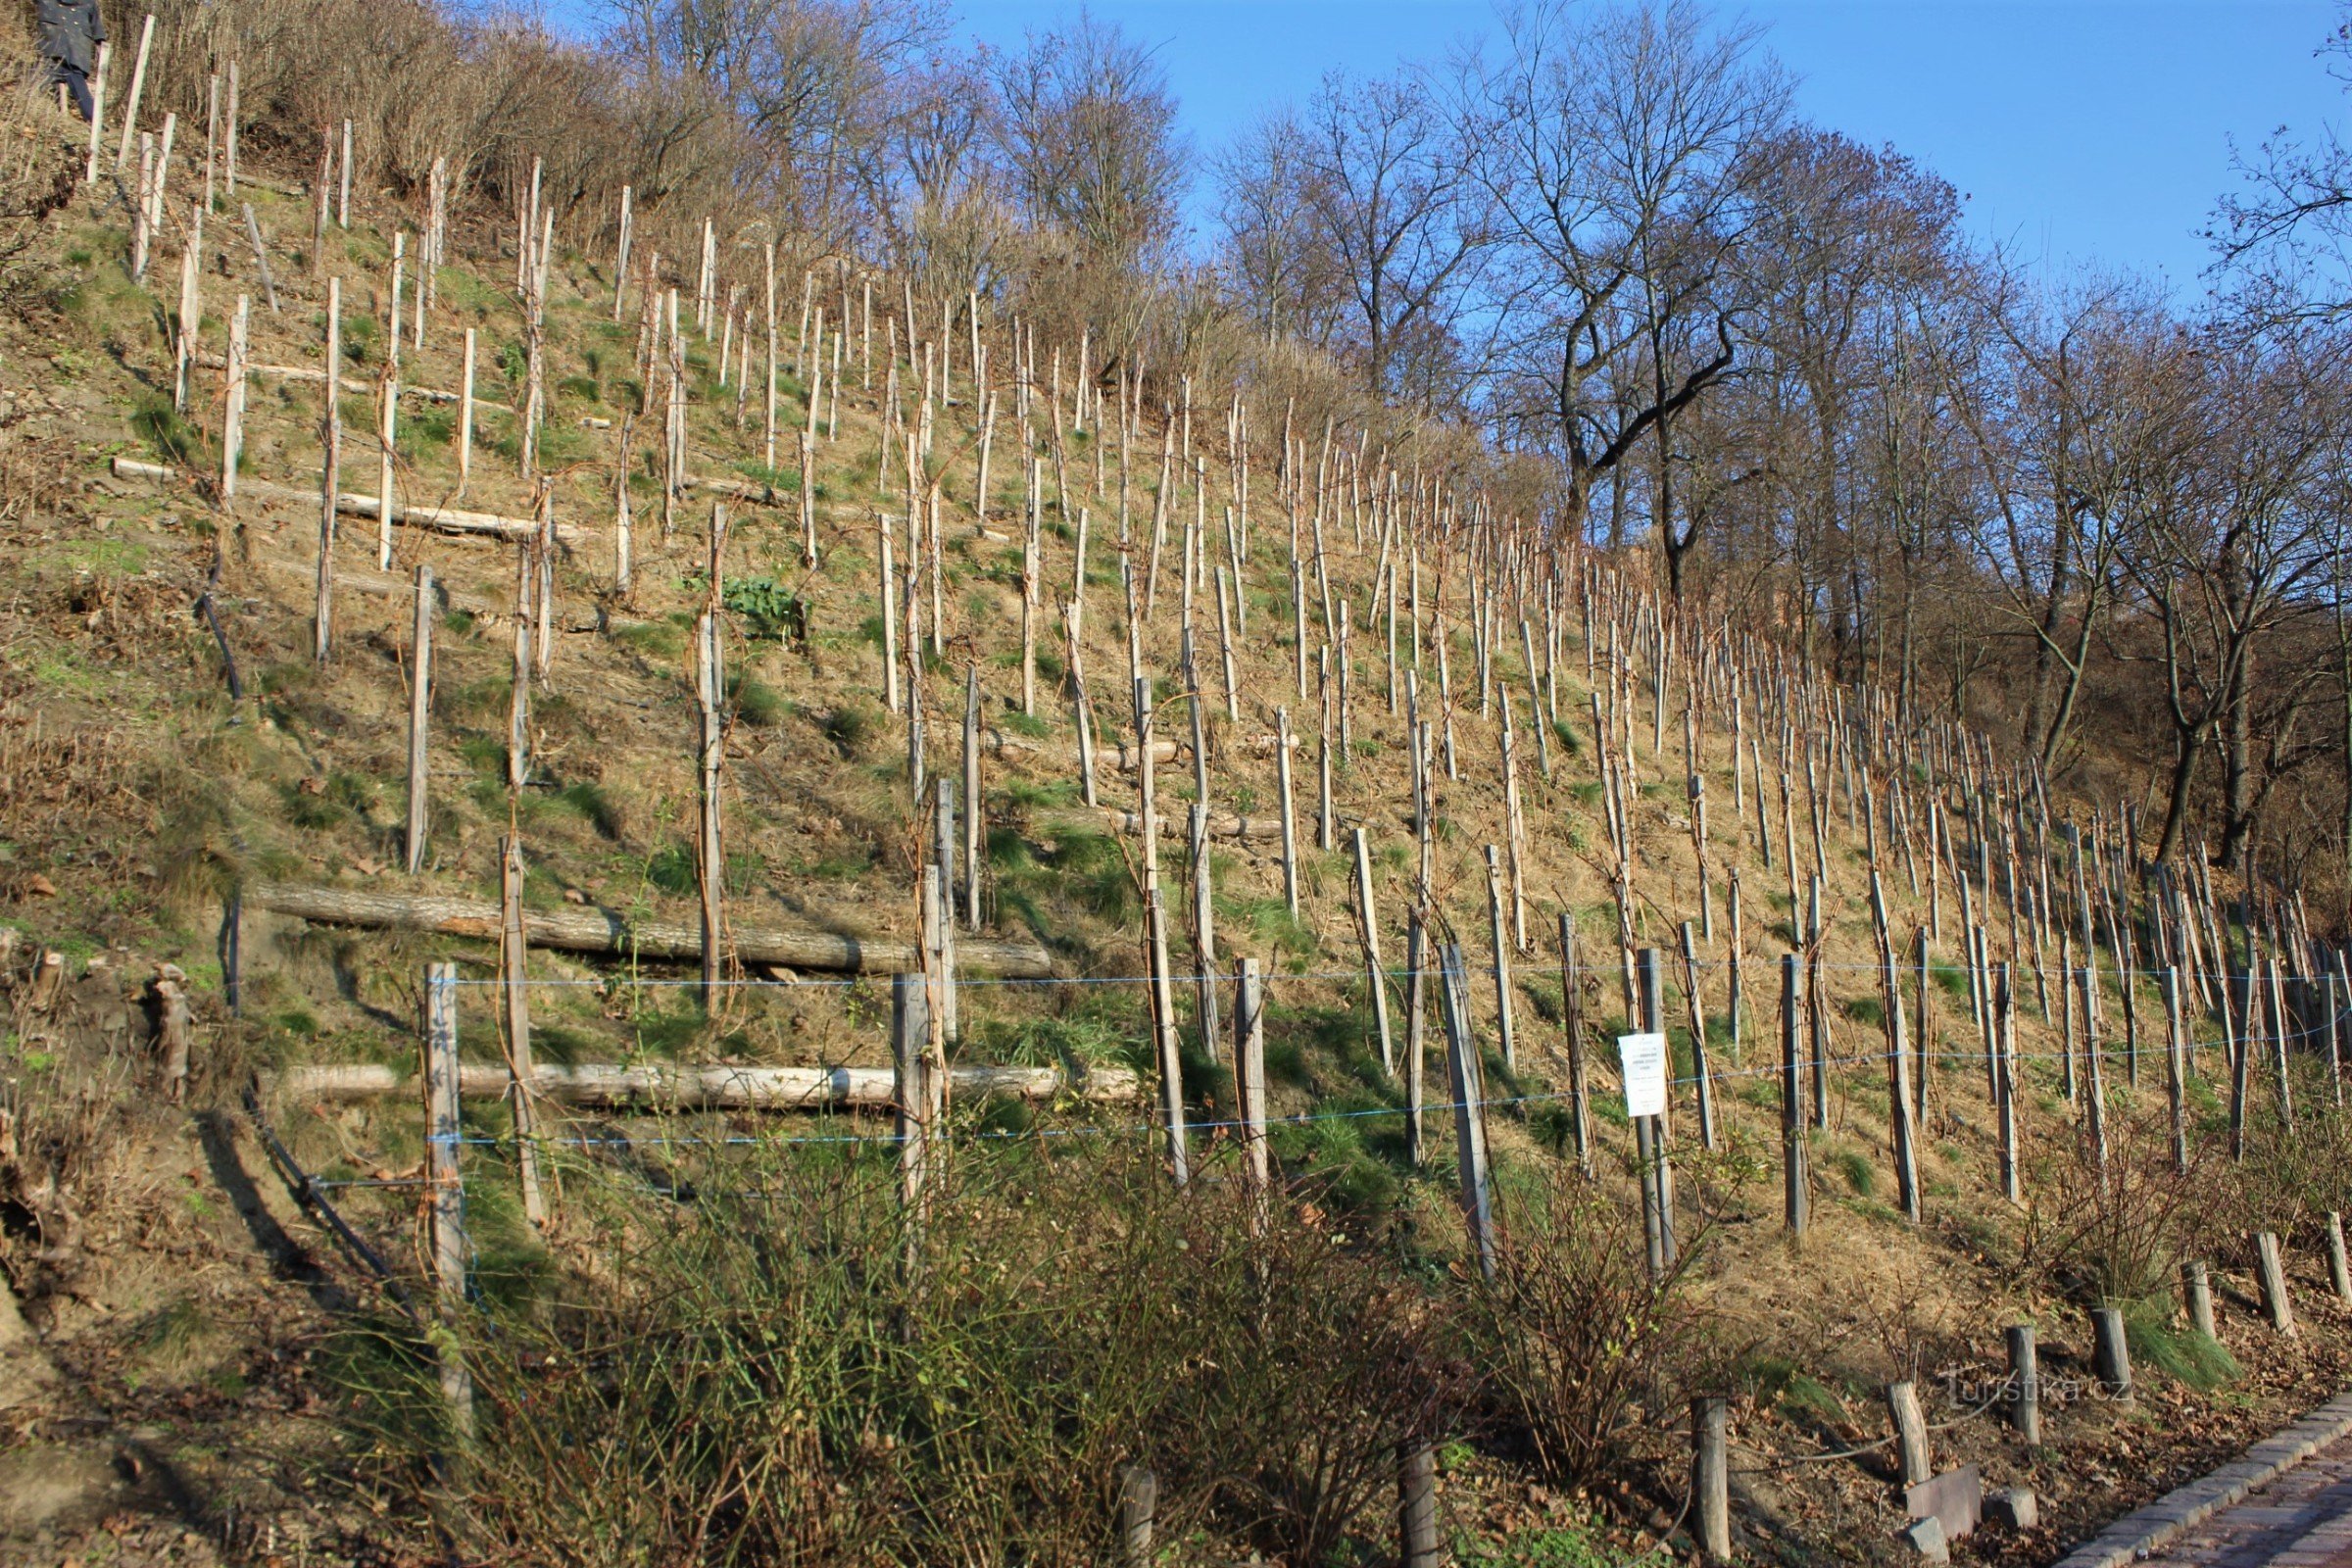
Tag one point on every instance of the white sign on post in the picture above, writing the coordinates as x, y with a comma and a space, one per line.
1643, 1058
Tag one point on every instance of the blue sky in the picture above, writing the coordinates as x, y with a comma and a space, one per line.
2082, 130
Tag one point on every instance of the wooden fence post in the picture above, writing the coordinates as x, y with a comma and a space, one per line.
2197, 1281
972, 833
2025, 1384
911, 1040
442, 1131
1711, 1475
1376, 978
1289, 831
2176, 1067
1580, 1099
709, 697
2111, 1353
1417, 1508
1138, 1502
421, 703
1467, 1077
1910, 1432
514, 955
1504, 1024
331, 444
1650, 1132
1698, 1036
2004, 1017
1796, 1193
2339, 1267
1249, 1078
2271, 1270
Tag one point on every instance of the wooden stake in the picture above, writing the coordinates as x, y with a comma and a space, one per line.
1795, 1189
1290, 829
1467, 1078
138, 85
442, 1134
332, 440
709, 698
1376, 980
514, 959
233, 421
1249, 1078
421, 703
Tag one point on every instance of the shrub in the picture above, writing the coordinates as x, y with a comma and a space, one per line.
1573, 1333
775, 1372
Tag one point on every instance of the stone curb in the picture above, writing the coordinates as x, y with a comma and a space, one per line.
2138, 1535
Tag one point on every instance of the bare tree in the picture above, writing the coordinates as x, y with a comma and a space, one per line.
1615, 158
1087, 128
1271, 250
1394, 208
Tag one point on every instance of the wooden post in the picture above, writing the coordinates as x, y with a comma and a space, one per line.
1580, 1099
2176, 1067
1711, 1475
331, 441
232, 423
89, 172
710, 700
911, 1040
1289, 831
1418, 1508
2111, 1352
972, 834
2339, 1267
420, 689
1163, 1010
2004, 1003
1652, 1132
2197, 1283
1795, 1191
1139, 1501
808, 499
442, 1134
1466, 1076
1910, 1433
2271, 1271
2279, 1026
466, 447
130, 101
1506, 1024
1376, 979
514, 963
2025, 1384
1698, 1036
1250, 1077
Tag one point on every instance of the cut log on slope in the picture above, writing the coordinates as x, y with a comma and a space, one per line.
440, 519
606, 1086
1221, 826
392, 585
592, 929
997, 743
349, 383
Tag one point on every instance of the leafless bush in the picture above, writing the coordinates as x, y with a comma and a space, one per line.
2114, 1235
1574, 1338
753, 1377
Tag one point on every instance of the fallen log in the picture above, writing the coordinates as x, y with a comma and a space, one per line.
999, 743
1221, 826
440, 519
608, 1086
392, 585
594, 929
348, 384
